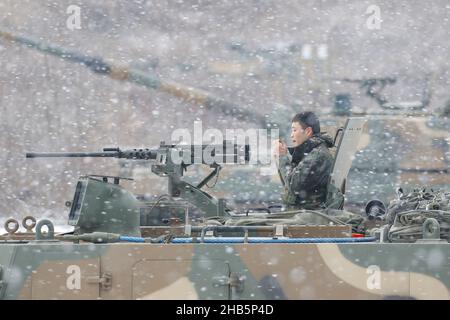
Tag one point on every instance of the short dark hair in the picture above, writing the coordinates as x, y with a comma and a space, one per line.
308, 119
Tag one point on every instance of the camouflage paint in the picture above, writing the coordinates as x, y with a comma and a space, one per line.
202, 271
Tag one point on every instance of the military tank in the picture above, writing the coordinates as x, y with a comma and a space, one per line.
399, 251
222, 254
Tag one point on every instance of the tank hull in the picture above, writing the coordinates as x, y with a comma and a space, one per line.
57, 270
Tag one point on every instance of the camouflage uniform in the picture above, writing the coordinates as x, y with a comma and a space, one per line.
305, 174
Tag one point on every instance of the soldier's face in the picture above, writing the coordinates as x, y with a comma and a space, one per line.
298, 134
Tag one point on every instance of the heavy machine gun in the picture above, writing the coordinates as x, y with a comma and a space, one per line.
374, 86
97, 201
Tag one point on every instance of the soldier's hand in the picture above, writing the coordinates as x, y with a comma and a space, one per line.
280, 148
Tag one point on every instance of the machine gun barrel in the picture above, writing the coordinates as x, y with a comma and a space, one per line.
223, 153
69, 154
137, 154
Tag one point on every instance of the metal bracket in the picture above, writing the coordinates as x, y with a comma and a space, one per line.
200, 199
279, 230
431, 229
1, 278
234, 281
431, 232
237, 282
105, 281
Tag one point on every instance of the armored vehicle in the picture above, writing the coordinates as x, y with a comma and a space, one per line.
189, 244
395, 251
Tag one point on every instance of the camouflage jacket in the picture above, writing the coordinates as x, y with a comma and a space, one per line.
305, 173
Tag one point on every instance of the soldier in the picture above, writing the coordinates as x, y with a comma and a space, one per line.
305, 169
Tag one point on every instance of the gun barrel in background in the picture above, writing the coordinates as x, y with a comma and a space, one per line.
125, 73
367, 81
